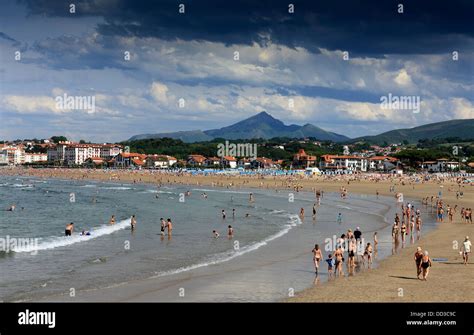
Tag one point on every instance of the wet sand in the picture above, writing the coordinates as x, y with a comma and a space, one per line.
394, 280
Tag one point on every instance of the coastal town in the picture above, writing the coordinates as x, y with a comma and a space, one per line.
51, 152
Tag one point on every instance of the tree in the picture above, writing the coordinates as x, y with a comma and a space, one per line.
57, 139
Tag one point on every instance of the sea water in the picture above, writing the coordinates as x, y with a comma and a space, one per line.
115, 254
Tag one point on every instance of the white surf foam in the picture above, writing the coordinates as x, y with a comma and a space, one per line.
221, 191
294, 220
63, 241
117, 188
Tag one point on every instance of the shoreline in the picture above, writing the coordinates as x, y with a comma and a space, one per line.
446, 283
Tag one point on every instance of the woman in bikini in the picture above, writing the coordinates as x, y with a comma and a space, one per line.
403, 231
425, 265
317, 256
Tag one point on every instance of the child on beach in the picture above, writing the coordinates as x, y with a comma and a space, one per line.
330, 262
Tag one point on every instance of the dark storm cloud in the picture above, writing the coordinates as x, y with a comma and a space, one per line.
361, 27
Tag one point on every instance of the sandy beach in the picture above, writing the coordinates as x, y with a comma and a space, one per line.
394, 280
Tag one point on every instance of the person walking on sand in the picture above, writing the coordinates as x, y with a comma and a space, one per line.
418, 256
425, 265
317, 255
339, 259
403, 232
69, 229
466, 250
133, 222
352, 250
376, 241
368, 254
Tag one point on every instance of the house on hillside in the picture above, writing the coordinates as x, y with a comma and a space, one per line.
160, 161
196, 160
229, 162
304, 160
343, 162
129, 160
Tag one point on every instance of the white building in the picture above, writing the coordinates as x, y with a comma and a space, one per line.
57, 153
109, 151
3, 159
160, 161
15, 154
382, 163
229, 161
35, 157
76, 154
344, 162
440, 165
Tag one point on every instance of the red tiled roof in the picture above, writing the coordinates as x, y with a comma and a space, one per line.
197, 158
138, 161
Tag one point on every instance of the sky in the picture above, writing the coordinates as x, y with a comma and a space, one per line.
333, 59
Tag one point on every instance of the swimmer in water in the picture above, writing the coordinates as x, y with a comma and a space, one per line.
169, 225
215, 233
112, 220
230, 231
163, 226
85, 233
69, 229
223, 214
133, 222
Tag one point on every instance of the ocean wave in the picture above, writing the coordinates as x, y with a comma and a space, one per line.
221, 191
88, 185
157, 191
63, 241
293, 221
122, 188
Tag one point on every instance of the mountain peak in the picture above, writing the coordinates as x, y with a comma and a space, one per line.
261, 125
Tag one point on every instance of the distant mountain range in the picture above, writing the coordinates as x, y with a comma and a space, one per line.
463, 129
263, 125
